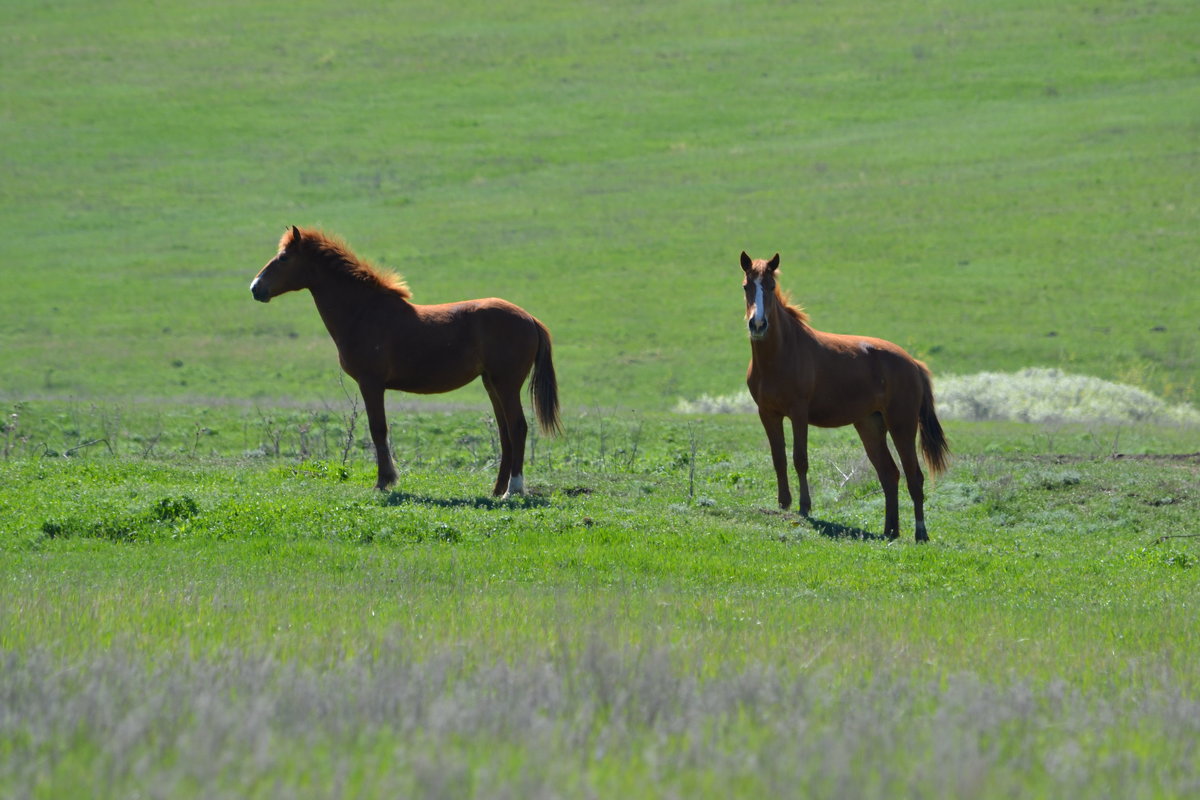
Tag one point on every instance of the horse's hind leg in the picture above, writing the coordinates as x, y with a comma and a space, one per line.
377, 422
510, 420
873, 433
505, 473
904, 436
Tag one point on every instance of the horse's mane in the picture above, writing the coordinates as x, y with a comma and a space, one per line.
338, 256
794, 311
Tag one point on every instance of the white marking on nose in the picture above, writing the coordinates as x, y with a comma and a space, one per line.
759, 310
254, 282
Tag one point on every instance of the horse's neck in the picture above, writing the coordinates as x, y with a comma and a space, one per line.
331, 312
785, 337
343, 306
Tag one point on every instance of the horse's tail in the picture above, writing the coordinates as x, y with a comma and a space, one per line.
933, 439
543, 389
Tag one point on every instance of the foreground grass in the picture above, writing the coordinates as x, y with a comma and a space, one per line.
373, 679
643, 623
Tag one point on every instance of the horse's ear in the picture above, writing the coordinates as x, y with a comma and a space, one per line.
295, 234
773, 264
746, 262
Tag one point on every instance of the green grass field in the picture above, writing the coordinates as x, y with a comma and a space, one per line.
183, 621
200, 596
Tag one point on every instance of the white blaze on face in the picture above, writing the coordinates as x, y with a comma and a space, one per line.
760, 311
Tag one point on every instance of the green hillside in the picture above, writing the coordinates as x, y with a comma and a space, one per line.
992, 185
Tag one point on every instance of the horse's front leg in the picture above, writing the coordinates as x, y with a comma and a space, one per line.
773, 424
800, 459
377, 422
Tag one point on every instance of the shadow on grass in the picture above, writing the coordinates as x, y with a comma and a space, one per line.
396, 498
836, 530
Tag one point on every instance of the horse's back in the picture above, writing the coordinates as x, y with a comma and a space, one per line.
482, 318
502, 334
855, 376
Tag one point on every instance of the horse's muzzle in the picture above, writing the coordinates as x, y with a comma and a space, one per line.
756, 331
260, 292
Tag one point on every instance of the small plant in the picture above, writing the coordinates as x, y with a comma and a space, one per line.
10, 427
694, 443
151, 442
273, 432
169, 509
635, 440
123, 528
1058, 480
119, 529
323, 469
350, 422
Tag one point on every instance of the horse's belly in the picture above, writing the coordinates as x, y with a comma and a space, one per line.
433, 379
430, 386
831, 420
418, 374
847, 410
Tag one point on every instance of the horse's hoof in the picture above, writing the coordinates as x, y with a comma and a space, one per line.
385, 480
516, 486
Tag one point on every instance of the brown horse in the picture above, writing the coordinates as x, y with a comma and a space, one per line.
385, 341
831, 380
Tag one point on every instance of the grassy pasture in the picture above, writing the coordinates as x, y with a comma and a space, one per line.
208, 618
199, 595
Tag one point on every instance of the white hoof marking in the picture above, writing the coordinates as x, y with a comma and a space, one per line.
516, 485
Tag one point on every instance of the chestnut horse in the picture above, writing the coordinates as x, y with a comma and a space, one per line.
831, 380
385, 341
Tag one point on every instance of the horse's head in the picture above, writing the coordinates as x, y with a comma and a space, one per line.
286, 272
759, 286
